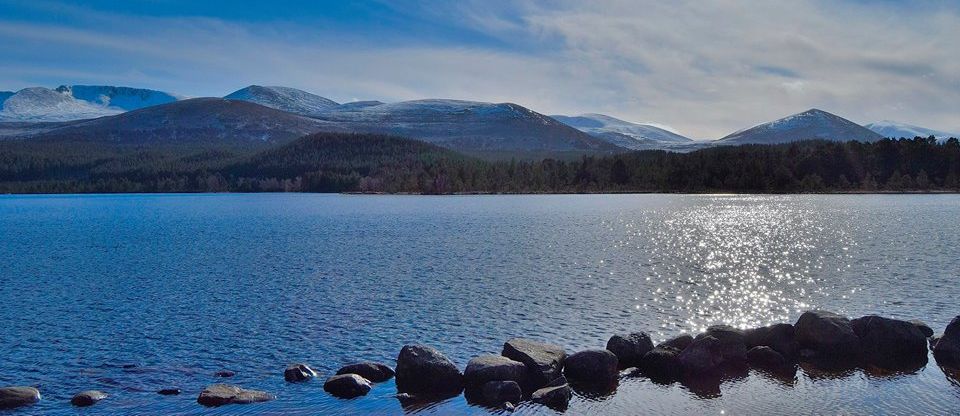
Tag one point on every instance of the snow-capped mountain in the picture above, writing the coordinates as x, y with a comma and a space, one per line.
284, 98
43, 104
808, 125
894, 130
120, 98
622, 133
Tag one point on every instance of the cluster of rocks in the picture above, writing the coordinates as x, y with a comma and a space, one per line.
544, 373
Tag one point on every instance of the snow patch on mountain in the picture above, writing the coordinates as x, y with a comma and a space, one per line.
809, 125
895, 130
120, 98
622, 133
284, 98
44, 104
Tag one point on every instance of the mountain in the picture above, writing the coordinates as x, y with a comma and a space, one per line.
808, 125
194, 120
120, 98
894, 130
470, 126
43, 104
621, 133
283, 98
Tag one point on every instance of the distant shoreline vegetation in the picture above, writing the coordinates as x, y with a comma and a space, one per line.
364, 163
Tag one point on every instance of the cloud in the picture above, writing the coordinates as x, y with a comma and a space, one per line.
706, 67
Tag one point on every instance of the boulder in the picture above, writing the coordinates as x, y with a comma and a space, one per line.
222, 394
592, 367
424, 371
732, 343
947, 349
224, 373
347, 386
630, 348
172, 391
703, 356
890, 343
87, 398
499, 392
17, 396
373, 371
680, 342
490, 367
767, 358
296, 373
662, 364
544, 362
924, 328
827, 334
556, 397
932, 341
779, 337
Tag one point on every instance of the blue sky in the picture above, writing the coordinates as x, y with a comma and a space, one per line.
703, 67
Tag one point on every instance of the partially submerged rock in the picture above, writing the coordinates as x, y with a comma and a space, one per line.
680, 342
499, 392
779, 337
424, 371
830, 336
731, 346
347, 386
224, 373
630, 348
947, 349
923, 327
490, 367
767, 358
373, 371
555, 397
296, 373
223, 394
170, 391
544, 361
87, 398
592, 367
890, 343
18, 396
662, 364
703, 356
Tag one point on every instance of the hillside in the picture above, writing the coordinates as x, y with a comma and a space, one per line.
812, 124
634, 136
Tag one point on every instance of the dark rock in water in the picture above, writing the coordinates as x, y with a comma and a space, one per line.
829, 335
298, 372
947, 349
780, 337
679, 343
87, 398
424, 371
347, 386
630, 348
509, 407
932, 341
890, 343
767, 358
375, 372
559, 381
593, 367
169, 392
662, 364
923, 327
703, 356
17, 396
556, 398
222, 394
500, 392
224, 373
544, 362
490, 367
733, 346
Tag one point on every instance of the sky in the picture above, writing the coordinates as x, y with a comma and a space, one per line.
705, 68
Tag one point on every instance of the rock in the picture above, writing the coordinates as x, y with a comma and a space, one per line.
593, 367
222, 394
347, 386
680, 342
829, 335
17, 396
509, 407
424, 371
947, 349
924, 328
890, 343
630, 348
559, 381
556, 398
490, 367
932, 341
87, 398
375, 372
732, 344
296, 373
701, 357
224, 373
779, 337
662, 364
500, 392
169, 391
544, 362
767, 358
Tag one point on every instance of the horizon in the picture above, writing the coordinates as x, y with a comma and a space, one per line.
730, 66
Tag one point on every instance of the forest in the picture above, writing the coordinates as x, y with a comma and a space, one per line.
328, 162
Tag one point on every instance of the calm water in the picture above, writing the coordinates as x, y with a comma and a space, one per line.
186, 285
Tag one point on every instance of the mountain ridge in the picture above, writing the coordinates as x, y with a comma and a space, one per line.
813, 124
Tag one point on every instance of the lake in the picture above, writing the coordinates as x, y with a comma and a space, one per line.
132, 293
